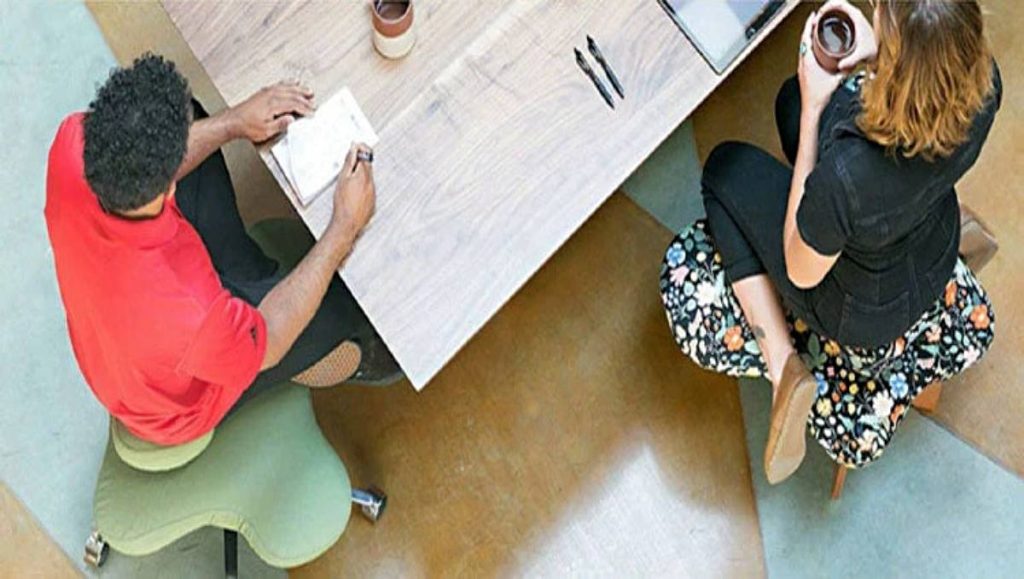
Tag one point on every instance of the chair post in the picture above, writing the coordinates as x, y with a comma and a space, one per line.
928, 399
372, 501
230, 554
839, 481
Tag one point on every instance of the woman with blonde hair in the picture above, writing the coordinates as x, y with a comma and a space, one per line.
850, 257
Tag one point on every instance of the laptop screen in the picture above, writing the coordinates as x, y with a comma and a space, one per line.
721, 29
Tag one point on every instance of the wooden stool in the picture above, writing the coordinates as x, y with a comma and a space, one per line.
926, 401
977, 247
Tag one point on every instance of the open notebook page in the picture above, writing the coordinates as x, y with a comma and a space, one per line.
312, 152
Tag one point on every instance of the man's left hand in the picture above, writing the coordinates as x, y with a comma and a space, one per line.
271, 110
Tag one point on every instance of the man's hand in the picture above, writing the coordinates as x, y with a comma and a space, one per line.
816, 83
356, 194
270, 111
864, 31
290, 305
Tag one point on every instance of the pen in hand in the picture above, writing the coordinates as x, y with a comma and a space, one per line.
582, 62
366, 156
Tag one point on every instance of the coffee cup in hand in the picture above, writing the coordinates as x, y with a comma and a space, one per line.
834, 38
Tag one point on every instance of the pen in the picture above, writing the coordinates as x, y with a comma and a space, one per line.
364, 156
582, 62
592, 46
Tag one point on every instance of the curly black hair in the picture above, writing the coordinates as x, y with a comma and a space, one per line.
136, 133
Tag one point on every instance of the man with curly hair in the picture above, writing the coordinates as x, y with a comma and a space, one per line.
175, 315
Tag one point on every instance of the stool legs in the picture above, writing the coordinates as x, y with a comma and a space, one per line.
839, 481
96, 550
928, 399
371, 501
230, 554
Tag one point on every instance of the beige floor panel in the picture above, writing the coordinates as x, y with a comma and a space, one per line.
25, 548
569, 437
984, 405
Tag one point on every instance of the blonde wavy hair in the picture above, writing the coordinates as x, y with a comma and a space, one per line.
933, 74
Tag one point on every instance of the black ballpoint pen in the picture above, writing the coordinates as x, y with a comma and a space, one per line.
592, 46
582, 62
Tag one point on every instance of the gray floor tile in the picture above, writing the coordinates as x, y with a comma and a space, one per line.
930, 507
667, 184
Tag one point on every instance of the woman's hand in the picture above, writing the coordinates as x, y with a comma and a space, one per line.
816, 83
270, 111
864, 31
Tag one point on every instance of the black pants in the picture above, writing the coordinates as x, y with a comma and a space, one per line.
745, 195
206, 197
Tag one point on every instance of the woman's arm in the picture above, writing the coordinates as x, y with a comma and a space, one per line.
258, 118
805, 266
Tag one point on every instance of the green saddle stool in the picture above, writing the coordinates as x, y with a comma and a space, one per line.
266, 472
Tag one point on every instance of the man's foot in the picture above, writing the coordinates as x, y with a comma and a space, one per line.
334, 368
378, 366
786, 445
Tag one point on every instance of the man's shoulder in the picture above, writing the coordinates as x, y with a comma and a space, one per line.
65, 169
70, 135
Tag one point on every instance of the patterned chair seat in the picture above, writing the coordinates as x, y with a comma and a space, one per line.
863, 393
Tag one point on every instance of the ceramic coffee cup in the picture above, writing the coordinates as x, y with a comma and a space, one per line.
834, 39
393, 31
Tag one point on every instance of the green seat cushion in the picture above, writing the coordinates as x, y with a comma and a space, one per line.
286, 241
268, 473
145, 455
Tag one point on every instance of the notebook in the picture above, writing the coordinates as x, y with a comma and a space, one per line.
312, 152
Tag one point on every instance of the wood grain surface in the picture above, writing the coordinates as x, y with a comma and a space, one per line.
494, 147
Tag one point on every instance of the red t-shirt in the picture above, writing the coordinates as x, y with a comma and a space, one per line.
165, 348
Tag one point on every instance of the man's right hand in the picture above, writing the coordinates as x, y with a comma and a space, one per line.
291, 304
356, 195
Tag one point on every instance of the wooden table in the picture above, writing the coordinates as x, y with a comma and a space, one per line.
494, 147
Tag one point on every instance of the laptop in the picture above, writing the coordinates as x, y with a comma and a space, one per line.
721, 29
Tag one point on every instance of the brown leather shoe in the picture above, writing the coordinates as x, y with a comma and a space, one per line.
786, 445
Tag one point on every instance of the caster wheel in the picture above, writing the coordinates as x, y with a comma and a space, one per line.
371, 501
96, 550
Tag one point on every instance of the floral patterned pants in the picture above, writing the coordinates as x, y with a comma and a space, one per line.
863, 393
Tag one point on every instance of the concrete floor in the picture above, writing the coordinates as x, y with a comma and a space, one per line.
569, 437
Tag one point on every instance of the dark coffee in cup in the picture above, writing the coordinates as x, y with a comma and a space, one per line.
836, 35
391, 9
834, 39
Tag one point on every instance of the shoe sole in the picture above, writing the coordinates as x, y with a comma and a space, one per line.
789, 448
385, 381
333, 369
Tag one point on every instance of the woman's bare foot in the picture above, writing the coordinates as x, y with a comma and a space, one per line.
792, 402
